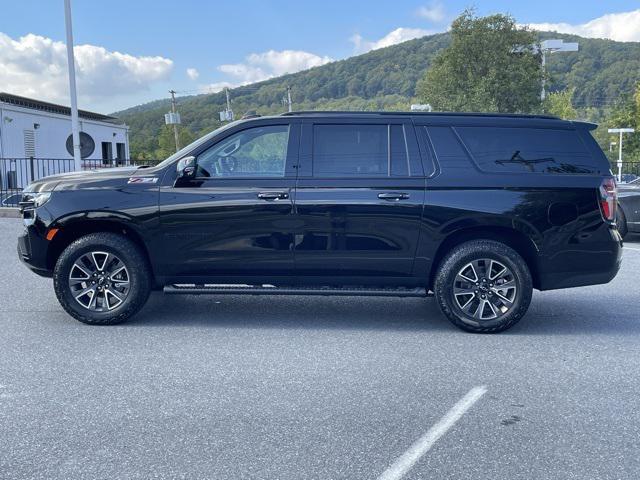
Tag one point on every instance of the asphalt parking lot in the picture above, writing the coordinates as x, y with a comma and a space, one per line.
317, 388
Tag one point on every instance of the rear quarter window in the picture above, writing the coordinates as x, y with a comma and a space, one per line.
528, 150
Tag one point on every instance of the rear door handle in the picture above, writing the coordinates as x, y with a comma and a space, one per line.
273, 195
395, 196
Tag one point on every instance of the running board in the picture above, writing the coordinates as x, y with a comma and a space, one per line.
272, 290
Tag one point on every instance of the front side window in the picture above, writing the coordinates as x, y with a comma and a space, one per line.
254, 152
350, 150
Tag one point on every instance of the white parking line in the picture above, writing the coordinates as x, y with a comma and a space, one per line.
631, 248
408, 459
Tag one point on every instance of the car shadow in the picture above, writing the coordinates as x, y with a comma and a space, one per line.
549, 314
292, 312
632, 239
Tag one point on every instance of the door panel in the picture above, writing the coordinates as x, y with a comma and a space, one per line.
364, 223
227, 228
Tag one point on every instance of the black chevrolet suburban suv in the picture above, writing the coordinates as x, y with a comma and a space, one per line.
476, 209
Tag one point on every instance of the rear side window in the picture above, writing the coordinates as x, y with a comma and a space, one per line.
532, 150
350, 150
356, 150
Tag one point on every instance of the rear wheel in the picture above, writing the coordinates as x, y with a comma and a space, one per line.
483, 286
621, 222
102, 279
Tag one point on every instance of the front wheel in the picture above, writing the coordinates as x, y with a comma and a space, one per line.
483, 286
102, 279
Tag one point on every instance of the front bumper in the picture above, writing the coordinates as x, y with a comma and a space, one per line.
32, 250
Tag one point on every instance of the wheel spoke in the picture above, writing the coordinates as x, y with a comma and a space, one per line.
118, 270
464, 299
113, 294
466, 277
86, 292
503, 298
501, 270
100, 260
83, 271
492, 308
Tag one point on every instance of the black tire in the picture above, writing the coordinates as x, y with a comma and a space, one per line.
448, 280
140, 278
621, 222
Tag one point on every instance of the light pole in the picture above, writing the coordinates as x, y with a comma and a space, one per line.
75, 125
620, 131
552, 46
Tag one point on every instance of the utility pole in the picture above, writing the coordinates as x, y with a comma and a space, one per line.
75, 124
289, 97
620, 131
175, 123
227, 114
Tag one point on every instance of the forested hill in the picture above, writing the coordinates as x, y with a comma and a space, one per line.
385, 79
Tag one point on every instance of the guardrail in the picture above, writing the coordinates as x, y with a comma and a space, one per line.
17, 173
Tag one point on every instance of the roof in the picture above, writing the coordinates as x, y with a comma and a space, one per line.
417, 114
52, 107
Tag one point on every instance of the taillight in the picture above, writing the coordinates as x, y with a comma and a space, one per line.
608, 199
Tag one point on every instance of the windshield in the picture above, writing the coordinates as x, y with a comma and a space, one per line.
182, 152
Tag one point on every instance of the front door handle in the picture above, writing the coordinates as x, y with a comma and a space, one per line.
273, 195
395, 196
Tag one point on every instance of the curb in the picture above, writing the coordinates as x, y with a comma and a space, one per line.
8, 212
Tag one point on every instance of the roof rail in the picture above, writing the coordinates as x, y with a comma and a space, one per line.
426, 114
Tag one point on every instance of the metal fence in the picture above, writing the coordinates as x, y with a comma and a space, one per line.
17, 173
629, 170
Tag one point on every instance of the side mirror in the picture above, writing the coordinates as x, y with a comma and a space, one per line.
186, 168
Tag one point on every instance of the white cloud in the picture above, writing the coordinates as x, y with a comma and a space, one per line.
192, 73
36, 66
623, 27
398, 35
434, 12
265, 65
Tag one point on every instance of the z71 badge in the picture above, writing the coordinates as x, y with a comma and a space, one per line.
142, 179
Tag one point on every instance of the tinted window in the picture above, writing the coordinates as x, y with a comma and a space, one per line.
254, 152
399, 153
350, 150
448, 149
527, 150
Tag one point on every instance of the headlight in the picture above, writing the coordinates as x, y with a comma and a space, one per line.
31, 200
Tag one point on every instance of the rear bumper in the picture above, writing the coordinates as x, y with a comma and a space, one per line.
581, 264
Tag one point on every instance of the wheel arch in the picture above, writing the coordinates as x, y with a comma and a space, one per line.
513, 238
70, 229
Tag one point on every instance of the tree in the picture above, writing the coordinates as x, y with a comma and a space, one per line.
167, 142
490, 65
627, 114
560, 104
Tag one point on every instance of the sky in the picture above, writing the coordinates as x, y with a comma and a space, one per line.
131, 52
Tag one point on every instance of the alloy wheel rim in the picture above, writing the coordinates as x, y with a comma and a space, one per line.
485, 290
99, 281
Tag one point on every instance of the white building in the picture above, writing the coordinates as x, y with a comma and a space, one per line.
35, 140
